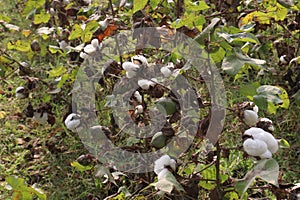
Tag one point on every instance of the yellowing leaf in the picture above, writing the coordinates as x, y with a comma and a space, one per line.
2, 114
19, 45
41, 18
139, 5
57, 71
26, 33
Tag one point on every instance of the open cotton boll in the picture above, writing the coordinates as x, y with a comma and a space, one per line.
145, 84
139, 109
138, 96
72, 121
129, 66
140, 60
95, 43
254, 107
269, 139
266, 124
162, 173
90, 49
255, 147
20, 92
250, 117
267, 154
84, 55
162, 163
41, 118
166, 71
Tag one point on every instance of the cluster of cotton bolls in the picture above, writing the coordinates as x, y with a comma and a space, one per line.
162, 164
259, 142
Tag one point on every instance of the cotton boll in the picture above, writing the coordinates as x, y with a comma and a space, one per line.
173, 164
144, 84
63, 45
254, 147
72, 121
252, 131
266, 124
269, 139
267, 154
90, 49
250, 117
84, 55
254, 107
162, 173
166, 71
139, 109
20, 92
138, 96
95, 43
139, 60
41, 118
129, 66
161, 163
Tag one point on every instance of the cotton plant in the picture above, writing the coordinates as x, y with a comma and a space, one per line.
91, 50
251, 115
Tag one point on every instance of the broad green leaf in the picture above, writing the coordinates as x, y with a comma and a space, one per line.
76, 32
90, 28
195, 6
278, 12
33, 4
80, 167
266, 169
19, 45
296, 96
210, 174
218, 54
239, 37
41, 18
275, 97
154, 3
249, 90
139, 5
233, 63
58, 71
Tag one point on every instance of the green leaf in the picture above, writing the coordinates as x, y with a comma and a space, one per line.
154, 3
275, 97
80, 167
19, 45
58, 71
41, 18
249, 90
76, 32
54, 49
90, 28
33, 4
195, 6
231, 196
158, 140
218, 54
210, 174
233, 63
239, 37
139, 5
